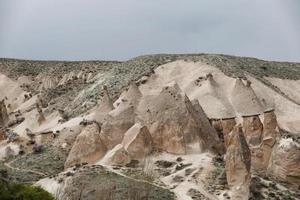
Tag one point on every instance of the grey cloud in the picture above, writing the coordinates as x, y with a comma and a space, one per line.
98, 29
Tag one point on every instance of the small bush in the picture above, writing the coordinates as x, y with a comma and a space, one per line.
16, 191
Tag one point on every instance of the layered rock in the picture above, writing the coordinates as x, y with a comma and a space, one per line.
173, 122
116, 123
238, 164
4, 118
88, 146
138, 141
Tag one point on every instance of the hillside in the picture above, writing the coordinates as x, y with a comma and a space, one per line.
186, 126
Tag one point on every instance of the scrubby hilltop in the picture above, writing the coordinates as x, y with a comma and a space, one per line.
185, 126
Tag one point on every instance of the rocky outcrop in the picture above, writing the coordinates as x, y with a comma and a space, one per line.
138, 141
98, 183
88, 146
40, 117
253, 130
245, 100
117, 156
2, 135
116, 123
130, 97
261, 154
238, 164
172, 121
209, 134
48, 83
104, 107
4, 118
227, 126
285, 161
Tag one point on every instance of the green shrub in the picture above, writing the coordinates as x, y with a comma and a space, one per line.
16, 191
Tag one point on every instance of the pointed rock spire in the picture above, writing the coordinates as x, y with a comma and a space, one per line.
138, 141
105, 105
4, 118
88, 147
245, 100
238, 164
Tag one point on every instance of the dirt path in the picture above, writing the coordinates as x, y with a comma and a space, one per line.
24, 170
138, 180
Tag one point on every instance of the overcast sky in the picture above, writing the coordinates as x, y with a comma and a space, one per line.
119, 30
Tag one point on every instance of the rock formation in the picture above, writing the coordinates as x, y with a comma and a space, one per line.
130, 97
4, 118
227, 126
285, 161
253, 130
48, 83
138, 141
172, 121
104, 107
117, 156
210, 136
116, 123
88, 146
245, 100
41, 117
261, 154
2, 135
212, 92
238, 164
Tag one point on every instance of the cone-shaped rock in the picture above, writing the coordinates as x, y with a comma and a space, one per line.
221, 106
132, 96
238, 164
138, 141
172, 121
116, 156
245, 100
105, 106
87, 147
115, 125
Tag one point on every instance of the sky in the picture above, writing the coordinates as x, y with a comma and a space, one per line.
123, 29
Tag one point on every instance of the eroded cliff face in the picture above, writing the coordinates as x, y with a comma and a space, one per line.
238, 164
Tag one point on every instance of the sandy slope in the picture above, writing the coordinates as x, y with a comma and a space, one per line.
289, 87
221, 97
